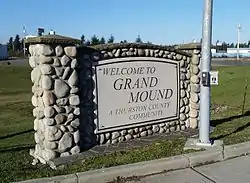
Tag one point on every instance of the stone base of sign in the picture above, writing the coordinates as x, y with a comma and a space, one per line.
123, 146
194, 144
67, 107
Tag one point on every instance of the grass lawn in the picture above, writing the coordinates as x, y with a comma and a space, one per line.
232, 125
16, 126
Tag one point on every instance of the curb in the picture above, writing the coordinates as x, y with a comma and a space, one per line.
152, 167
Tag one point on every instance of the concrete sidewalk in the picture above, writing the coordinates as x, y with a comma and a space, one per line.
212, 165
231, 171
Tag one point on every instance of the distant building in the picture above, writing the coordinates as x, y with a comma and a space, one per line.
241, 50
232, 52
3, 52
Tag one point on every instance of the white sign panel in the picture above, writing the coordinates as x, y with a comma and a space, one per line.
214, 77
136, 90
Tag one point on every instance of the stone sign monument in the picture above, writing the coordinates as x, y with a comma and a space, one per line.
88, 96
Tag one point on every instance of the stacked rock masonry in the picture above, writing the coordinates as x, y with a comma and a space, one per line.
64, 99
195, 89
195, 79
56, 101
189, 78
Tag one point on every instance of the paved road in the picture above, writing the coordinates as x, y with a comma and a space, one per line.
215, 62
16, 62
231, 171
219, 62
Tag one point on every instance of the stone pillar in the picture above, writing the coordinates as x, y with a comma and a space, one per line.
184, 92
195, 80
55, 97
195, 89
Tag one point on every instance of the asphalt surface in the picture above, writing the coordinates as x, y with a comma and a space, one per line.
16, 62
229, 62
215, 62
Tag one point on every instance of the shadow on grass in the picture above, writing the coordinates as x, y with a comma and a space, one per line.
241, 128
16, 148
216, 122
15, 134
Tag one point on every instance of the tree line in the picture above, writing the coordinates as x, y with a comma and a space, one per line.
16, 43
234, 45
15, 46
95, 40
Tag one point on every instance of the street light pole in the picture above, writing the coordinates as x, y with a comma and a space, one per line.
238, 41
205, 69
24, 36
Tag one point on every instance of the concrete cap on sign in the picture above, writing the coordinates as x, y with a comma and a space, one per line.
52, 39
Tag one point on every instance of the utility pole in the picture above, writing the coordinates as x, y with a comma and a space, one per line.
238, 41
205, 100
